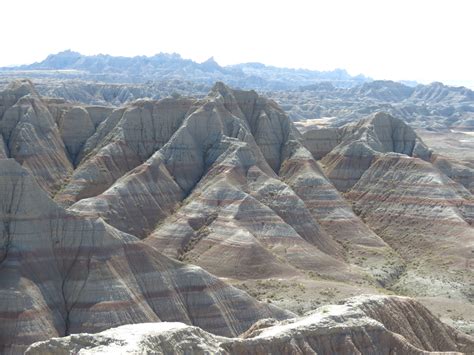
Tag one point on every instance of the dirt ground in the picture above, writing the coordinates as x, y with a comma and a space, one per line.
301, 295
451, 143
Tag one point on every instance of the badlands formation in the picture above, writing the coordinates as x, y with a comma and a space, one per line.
217, 213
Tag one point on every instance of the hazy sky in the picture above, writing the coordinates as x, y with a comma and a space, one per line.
399, 40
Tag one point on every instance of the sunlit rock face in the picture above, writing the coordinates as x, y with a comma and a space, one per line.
223, 188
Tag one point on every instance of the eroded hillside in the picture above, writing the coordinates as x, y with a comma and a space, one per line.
133, 197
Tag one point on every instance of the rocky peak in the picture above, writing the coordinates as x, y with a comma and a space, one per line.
61, 60
211, 65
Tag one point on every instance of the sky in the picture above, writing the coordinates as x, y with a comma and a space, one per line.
398, 40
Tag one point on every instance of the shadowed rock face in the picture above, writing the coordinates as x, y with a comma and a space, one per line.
456, 170
363, 325
76, 127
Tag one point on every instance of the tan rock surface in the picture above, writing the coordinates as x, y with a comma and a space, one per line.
239, 219
457, 170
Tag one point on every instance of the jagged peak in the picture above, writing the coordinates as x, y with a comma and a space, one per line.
225, 90
211, 65
67, 52
210, 60
382, 119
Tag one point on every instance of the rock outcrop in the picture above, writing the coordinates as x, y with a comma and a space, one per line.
362, 142
124, 140
418, 202
363, 325
138, 165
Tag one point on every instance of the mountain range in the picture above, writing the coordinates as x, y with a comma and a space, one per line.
163, 66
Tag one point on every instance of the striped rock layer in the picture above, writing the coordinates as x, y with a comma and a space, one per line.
64, 273
234, 191
417, 201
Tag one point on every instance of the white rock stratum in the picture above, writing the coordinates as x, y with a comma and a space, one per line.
362, 325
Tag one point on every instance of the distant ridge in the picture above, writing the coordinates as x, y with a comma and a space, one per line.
164, 66
304, 94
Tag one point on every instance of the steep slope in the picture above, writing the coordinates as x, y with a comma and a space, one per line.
415, 200
138, 164
363, 325
361, 245
456, 170
124, 140
226, 183
426, 217
239, 218
31, 136
64, 273
45, 135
